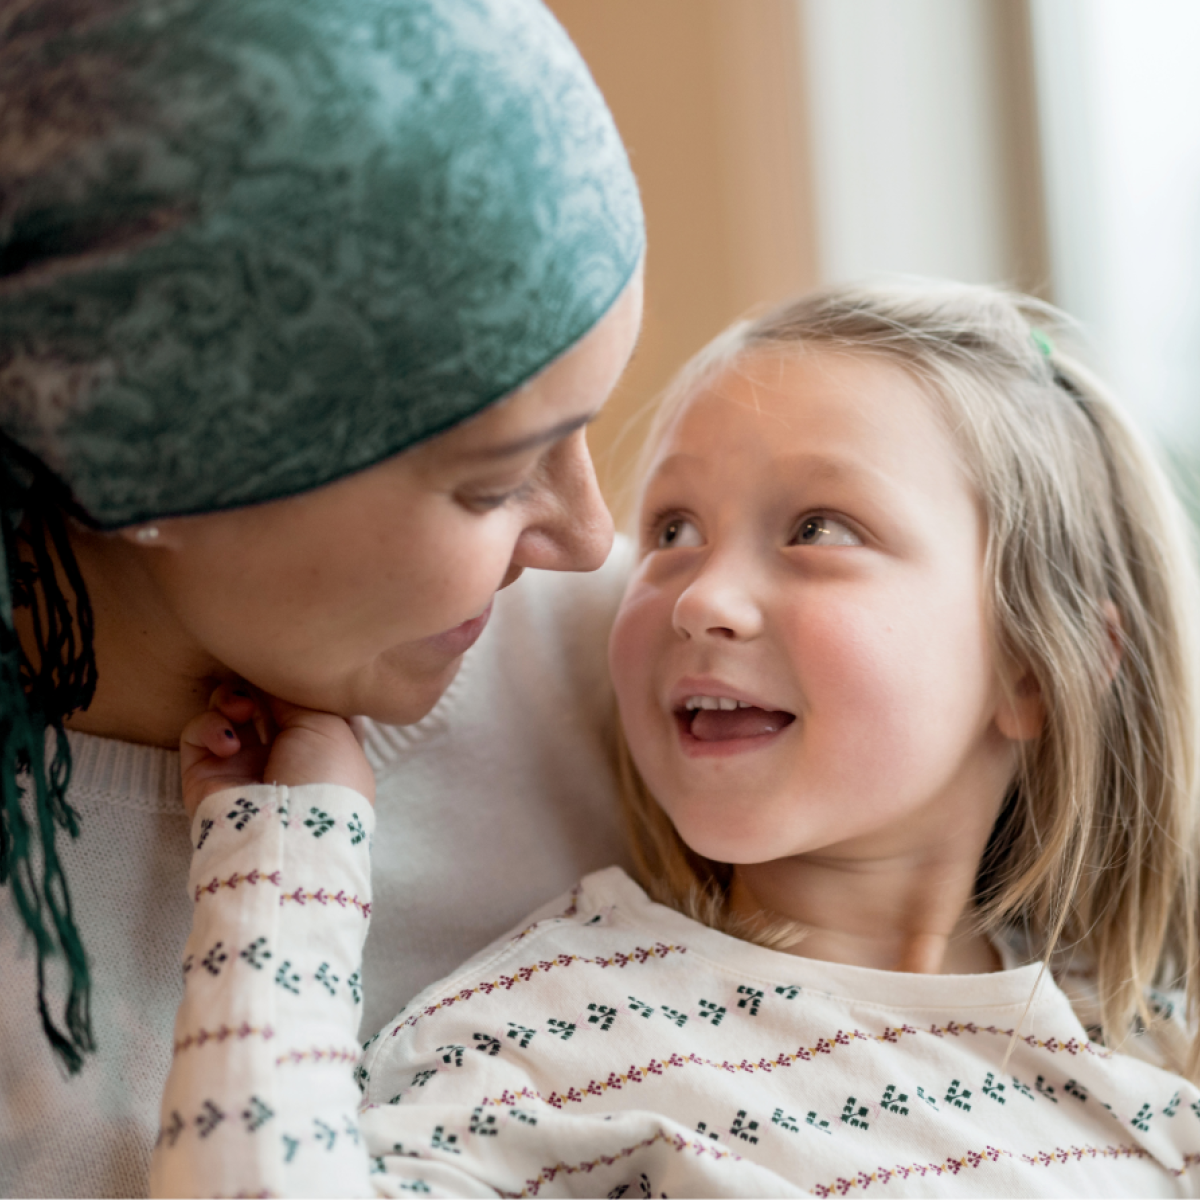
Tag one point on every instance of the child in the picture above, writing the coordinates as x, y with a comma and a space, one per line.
907, 672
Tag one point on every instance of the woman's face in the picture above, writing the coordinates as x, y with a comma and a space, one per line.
362, 596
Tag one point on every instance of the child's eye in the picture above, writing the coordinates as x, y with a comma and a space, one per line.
825, 531
677, 533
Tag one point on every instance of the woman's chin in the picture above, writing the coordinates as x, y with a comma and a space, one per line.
398, 687
399, 698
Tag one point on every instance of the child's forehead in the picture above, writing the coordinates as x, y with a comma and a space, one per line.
826, 412
804, 390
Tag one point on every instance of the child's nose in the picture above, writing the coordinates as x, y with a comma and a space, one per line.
719, 603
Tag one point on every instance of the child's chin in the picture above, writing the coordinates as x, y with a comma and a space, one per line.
717, 846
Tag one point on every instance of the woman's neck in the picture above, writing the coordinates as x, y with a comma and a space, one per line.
907, 912
152, 677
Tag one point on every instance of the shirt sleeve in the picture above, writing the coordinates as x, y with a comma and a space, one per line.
261, 1098
263, 1095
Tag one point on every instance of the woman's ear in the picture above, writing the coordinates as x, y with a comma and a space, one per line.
1021, 714
151, 535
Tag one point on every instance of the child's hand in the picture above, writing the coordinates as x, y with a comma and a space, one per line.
245, 739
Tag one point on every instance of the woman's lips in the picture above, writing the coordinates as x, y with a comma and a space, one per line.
462, 637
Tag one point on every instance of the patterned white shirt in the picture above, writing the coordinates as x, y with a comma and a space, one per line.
615, 1047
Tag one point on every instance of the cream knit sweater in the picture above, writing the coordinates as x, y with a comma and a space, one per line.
497, 800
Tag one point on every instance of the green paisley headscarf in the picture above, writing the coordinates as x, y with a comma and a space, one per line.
246, 248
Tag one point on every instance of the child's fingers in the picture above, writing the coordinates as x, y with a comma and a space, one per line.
209, 733
243, 704
286, 714
262, 729
207, 741
317, 747
236, 701
215, 754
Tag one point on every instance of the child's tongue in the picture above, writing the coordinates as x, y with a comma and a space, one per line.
721, 725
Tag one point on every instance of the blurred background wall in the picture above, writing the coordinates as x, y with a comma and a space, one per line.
1053, 145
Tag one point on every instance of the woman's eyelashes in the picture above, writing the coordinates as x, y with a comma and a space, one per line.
484, 502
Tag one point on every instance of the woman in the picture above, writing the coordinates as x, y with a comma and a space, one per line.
304, 307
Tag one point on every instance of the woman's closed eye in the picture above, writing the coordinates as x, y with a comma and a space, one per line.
818, 529
488, 500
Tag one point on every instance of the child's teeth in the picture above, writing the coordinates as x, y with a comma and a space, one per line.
727, 705
724, 703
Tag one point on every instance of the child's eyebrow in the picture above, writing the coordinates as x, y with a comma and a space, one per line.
817, 467
833, 468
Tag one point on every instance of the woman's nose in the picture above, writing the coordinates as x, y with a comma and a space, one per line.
573, 529
719, 602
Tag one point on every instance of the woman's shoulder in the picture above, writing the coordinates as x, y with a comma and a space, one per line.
603, 924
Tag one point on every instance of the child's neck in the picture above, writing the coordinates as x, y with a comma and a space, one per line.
902, 913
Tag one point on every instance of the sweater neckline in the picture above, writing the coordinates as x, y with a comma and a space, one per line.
1017, 987
387, 744
108, 772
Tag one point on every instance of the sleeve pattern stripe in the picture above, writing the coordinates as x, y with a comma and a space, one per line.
864, 1181
319, 1054
252, 878
617, 1080
321, 896
300, 896
675, 1141
640, 954
223, 1034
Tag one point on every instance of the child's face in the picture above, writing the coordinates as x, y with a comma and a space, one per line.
811, 546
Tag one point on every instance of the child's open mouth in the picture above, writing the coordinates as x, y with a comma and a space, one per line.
722, 719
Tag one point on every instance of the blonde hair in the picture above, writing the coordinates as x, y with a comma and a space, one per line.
1092, 587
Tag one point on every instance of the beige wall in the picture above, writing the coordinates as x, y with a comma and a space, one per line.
715, 99
707, 96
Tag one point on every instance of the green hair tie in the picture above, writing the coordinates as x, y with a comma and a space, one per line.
1042, 341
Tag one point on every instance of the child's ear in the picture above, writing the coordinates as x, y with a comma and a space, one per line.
1021, 714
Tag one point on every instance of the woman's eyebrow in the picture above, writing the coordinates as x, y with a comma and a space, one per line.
533, 440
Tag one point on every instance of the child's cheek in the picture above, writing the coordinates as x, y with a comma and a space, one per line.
859, 681
642, 620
